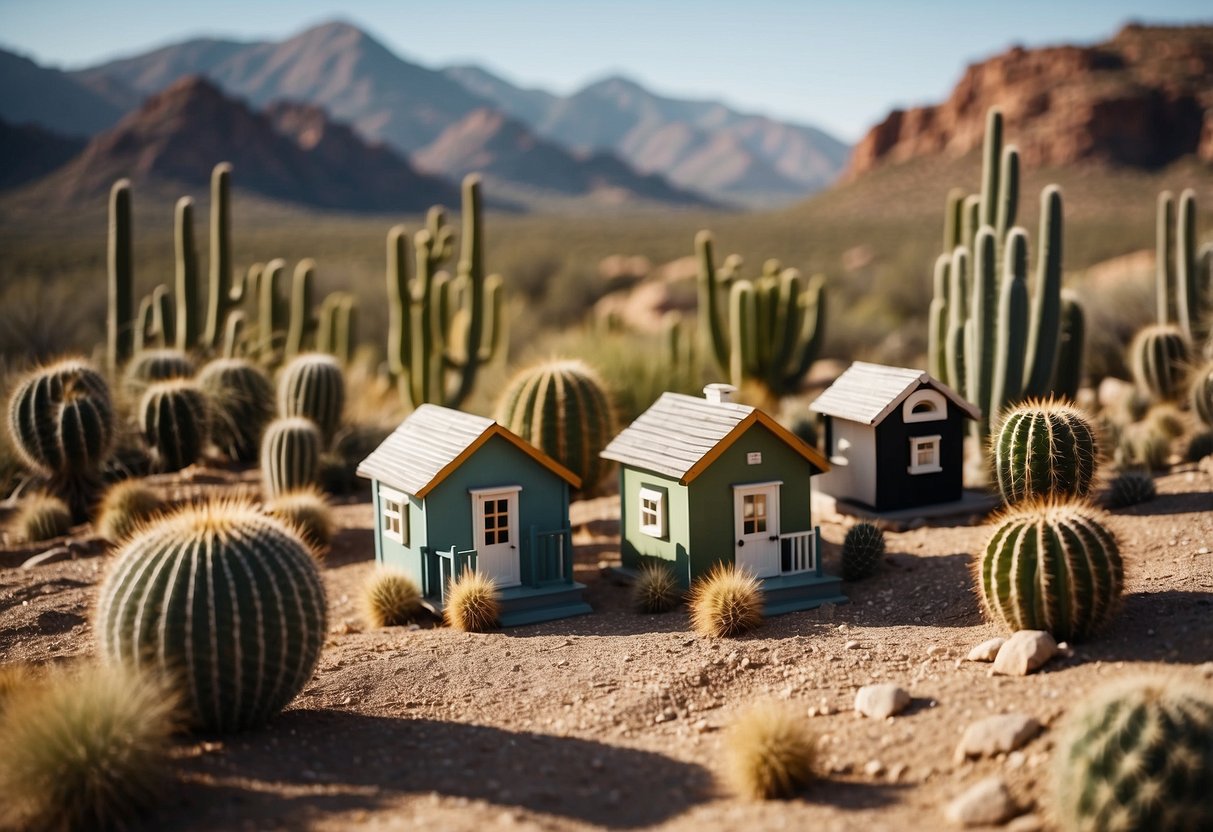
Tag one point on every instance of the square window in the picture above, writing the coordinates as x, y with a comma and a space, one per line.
652, 512
393, 517
924, 455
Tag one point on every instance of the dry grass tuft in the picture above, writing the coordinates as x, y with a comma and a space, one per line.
84, 749
308, 513
471, 603
126, 507
656, 589
769, 753
725, 603
390, 599
42, 517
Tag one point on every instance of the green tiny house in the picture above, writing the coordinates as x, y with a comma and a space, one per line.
704, 481
454, 491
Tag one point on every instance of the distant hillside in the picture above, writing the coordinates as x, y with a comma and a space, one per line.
506, 152
32, 94
179, 134
696, 144
29, 152
1142, 99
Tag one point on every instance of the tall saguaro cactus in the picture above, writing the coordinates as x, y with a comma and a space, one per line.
120, 333
187, 276
771, 330
220, 299
1184, 276
441, 329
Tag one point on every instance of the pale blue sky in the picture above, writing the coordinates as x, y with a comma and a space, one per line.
838, 65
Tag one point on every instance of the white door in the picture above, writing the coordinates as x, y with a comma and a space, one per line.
495, 530
756, 528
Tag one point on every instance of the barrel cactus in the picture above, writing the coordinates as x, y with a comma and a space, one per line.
313, 386
61, 420
1200, 394
1051, 566
224, 599
1044, 449
150, 366
290, 455
174, 420
1138, 755
562, 408
241, 403
862, 551
1158, 357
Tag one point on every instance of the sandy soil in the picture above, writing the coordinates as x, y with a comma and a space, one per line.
613, 720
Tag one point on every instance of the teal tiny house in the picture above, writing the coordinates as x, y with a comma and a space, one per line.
705, 481
454, 491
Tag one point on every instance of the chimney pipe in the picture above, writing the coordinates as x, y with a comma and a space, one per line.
719, 393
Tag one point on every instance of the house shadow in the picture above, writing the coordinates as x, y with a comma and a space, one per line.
1192, 502
352, 545
930, 590
312, 762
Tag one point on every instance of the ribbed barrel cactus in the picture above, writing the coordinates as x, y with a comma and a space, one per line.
61, 420
174, 420
1138, 755
241, 400
1200, 394
290, 455
224, 599
1158, 357
1052, 566
1044, 449
562, 407
862, 551
150, 366
313, 386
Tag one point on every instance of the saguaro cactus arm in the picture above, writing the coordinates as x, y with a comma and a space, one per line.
187, 275
1045, 323
220, 299
120, 336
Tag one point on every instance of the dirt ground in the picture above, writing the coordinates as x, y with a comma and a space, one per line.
613, 720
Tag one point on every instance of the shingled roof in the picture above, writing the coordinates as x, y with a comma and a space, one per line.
680, 436
433, 441
867, 393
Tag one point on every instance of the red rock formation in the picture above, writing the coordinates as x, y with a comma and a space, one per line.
1141, 99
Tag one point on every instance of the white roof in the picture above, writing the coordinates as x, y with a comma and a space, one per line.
867, 393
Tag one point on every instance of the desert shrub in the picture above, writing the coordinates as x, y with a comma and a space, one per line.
308, 513
41, 517
126, 506
727, 602
655, 589
769, 753
1129, 488
85, 749
1167, 420
471, 603
1142, 446
390, 599
862, 552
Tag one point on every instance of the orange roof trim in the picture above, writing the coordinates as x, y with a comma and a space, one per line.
790, 439
515, 440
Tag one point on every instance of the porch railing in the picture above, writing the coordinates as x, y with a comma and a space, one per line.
551, 557
441, 567
798, 551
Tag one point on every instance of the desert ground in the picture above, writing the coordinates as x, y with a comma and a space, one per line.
615, 720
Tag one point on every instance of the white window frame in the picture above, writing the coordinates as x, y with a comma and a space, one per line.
389, 497
657, 529
937, 413
918, 444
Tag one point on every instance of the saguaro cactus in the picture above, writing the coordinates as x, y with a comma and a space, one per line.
120, 334
227, 602
220, 299
441, 329
1051, 566
1184, 276
768, 330
187, 323
1044, 449
300, 322
562, 408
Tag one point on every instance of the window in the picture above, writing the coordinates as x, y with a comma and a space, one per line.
924, 455
496, 521
753, 513
925, 405
652, 512
394, 518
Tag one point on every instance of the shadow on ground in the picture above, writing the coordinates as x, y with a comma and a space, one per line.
314, 762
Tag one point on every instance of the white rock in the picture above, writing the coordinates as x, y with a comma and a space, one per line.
880, 701
986, 651
1024, 652
873, 768
986, 802
1026, 823
999, 734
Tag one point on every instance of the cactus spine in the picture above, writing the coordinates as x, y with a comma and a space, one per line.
1137, 755
1044, 449
290, 455
187, 276
1051, 566
220, 298
224, 599
312, 386
772, 328
174, 420
562, 408
1158, 358
441, 329
120, 335
241, 403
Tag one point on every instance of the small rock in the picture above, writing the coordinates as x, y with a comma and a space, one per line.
880, 701
933, 649
1024, 652
851, 645
1206, 670
986, 651
985, 803
1026, 823
1000, 734
873, 768
897, 771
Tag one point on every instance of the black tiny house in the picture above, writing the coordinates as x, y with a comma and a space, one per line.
894, 438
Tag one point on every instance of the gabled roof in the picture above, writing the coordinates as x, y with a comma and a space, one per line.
867, 393
433, 441
680, 436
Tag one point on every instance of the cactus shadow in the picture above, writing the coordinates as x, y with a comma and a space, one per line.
1190, 502
1169, 626
314, 762
926, 590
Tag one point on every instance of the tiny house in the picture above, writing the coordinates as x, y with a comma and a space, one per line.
705, 481
453, 491
894, 438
